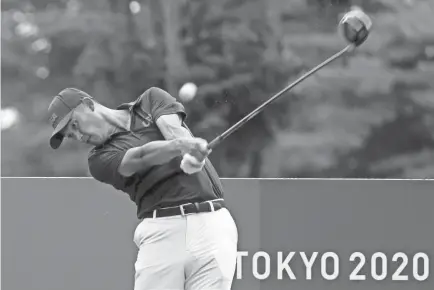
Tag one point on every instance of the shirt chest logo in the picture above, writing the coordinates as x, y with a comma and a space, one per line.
143, 120
146, 122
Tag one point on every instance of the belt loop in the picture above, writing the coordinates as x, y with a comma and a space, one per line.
211, 205
182, 209
154, 214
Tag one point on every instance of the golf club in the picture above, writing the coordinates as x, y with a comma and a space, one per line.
354, 27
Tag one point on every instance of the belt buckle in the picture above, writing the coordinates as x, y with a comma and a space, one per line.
181, 207
196, 207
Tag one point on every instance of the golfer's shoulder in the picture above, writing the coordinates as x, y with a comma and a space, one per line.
105, 156
95, 153
155, 92
156, 102
103, 164
156, 95
142, 99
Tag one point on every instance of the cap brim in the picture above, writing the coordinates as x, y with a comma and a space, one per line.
57, 137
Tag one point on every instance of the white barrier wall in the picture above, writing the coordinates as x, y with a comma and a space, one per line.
76, 234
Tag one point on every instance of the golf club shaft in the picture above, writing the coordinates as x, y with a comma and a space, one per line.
244, 120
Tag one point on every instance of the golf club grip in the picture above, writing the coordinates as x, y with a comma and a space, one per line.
259, 109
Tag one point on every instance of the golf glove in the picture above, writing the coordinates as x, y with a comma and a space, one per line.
190, 165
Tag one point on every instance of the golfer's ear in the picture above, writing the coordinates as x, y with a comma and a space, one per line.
89, 103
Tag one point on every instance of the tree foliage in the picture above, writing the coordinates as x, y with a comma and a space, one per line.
366, 115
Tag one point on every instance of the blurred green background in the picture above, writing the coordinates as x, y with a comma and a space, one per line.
368, 115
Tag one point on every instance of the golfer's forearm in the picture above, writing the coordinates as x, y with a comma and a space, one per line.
160, 152
172, 133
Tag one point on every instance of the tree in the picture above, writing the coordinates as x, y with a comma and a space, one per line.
366, 115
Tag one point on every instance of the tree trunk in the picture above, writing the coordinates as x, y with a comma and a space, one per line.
149, 15
273, 51
174, 57
256, 164
127, 66
274, 23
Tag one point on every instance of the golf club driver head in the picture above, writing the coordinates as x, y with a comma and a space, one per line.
355, 27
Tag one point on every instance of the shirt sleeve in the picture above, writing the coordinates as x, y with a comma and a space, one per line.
162, 103
103, 166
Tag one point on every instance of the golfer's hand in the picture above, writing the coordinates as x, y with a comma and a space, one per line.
196, 147
199, 149
194, 159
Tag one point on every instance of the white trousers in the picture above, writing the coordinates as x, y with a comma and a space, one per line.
192, 252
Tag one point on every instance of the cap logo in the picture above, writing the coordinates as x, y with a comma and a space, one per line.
53, 120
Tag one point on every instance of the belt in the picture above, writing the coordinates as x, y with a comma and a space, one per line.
188, 208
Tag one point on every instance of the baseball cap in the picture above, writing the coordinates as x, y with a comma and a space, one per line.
60, 112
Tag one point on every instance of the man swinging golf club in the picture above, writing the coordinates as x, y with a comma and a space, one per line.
187, 239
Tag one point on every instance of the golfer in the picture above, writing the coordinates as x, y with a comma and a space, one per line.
186, 239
